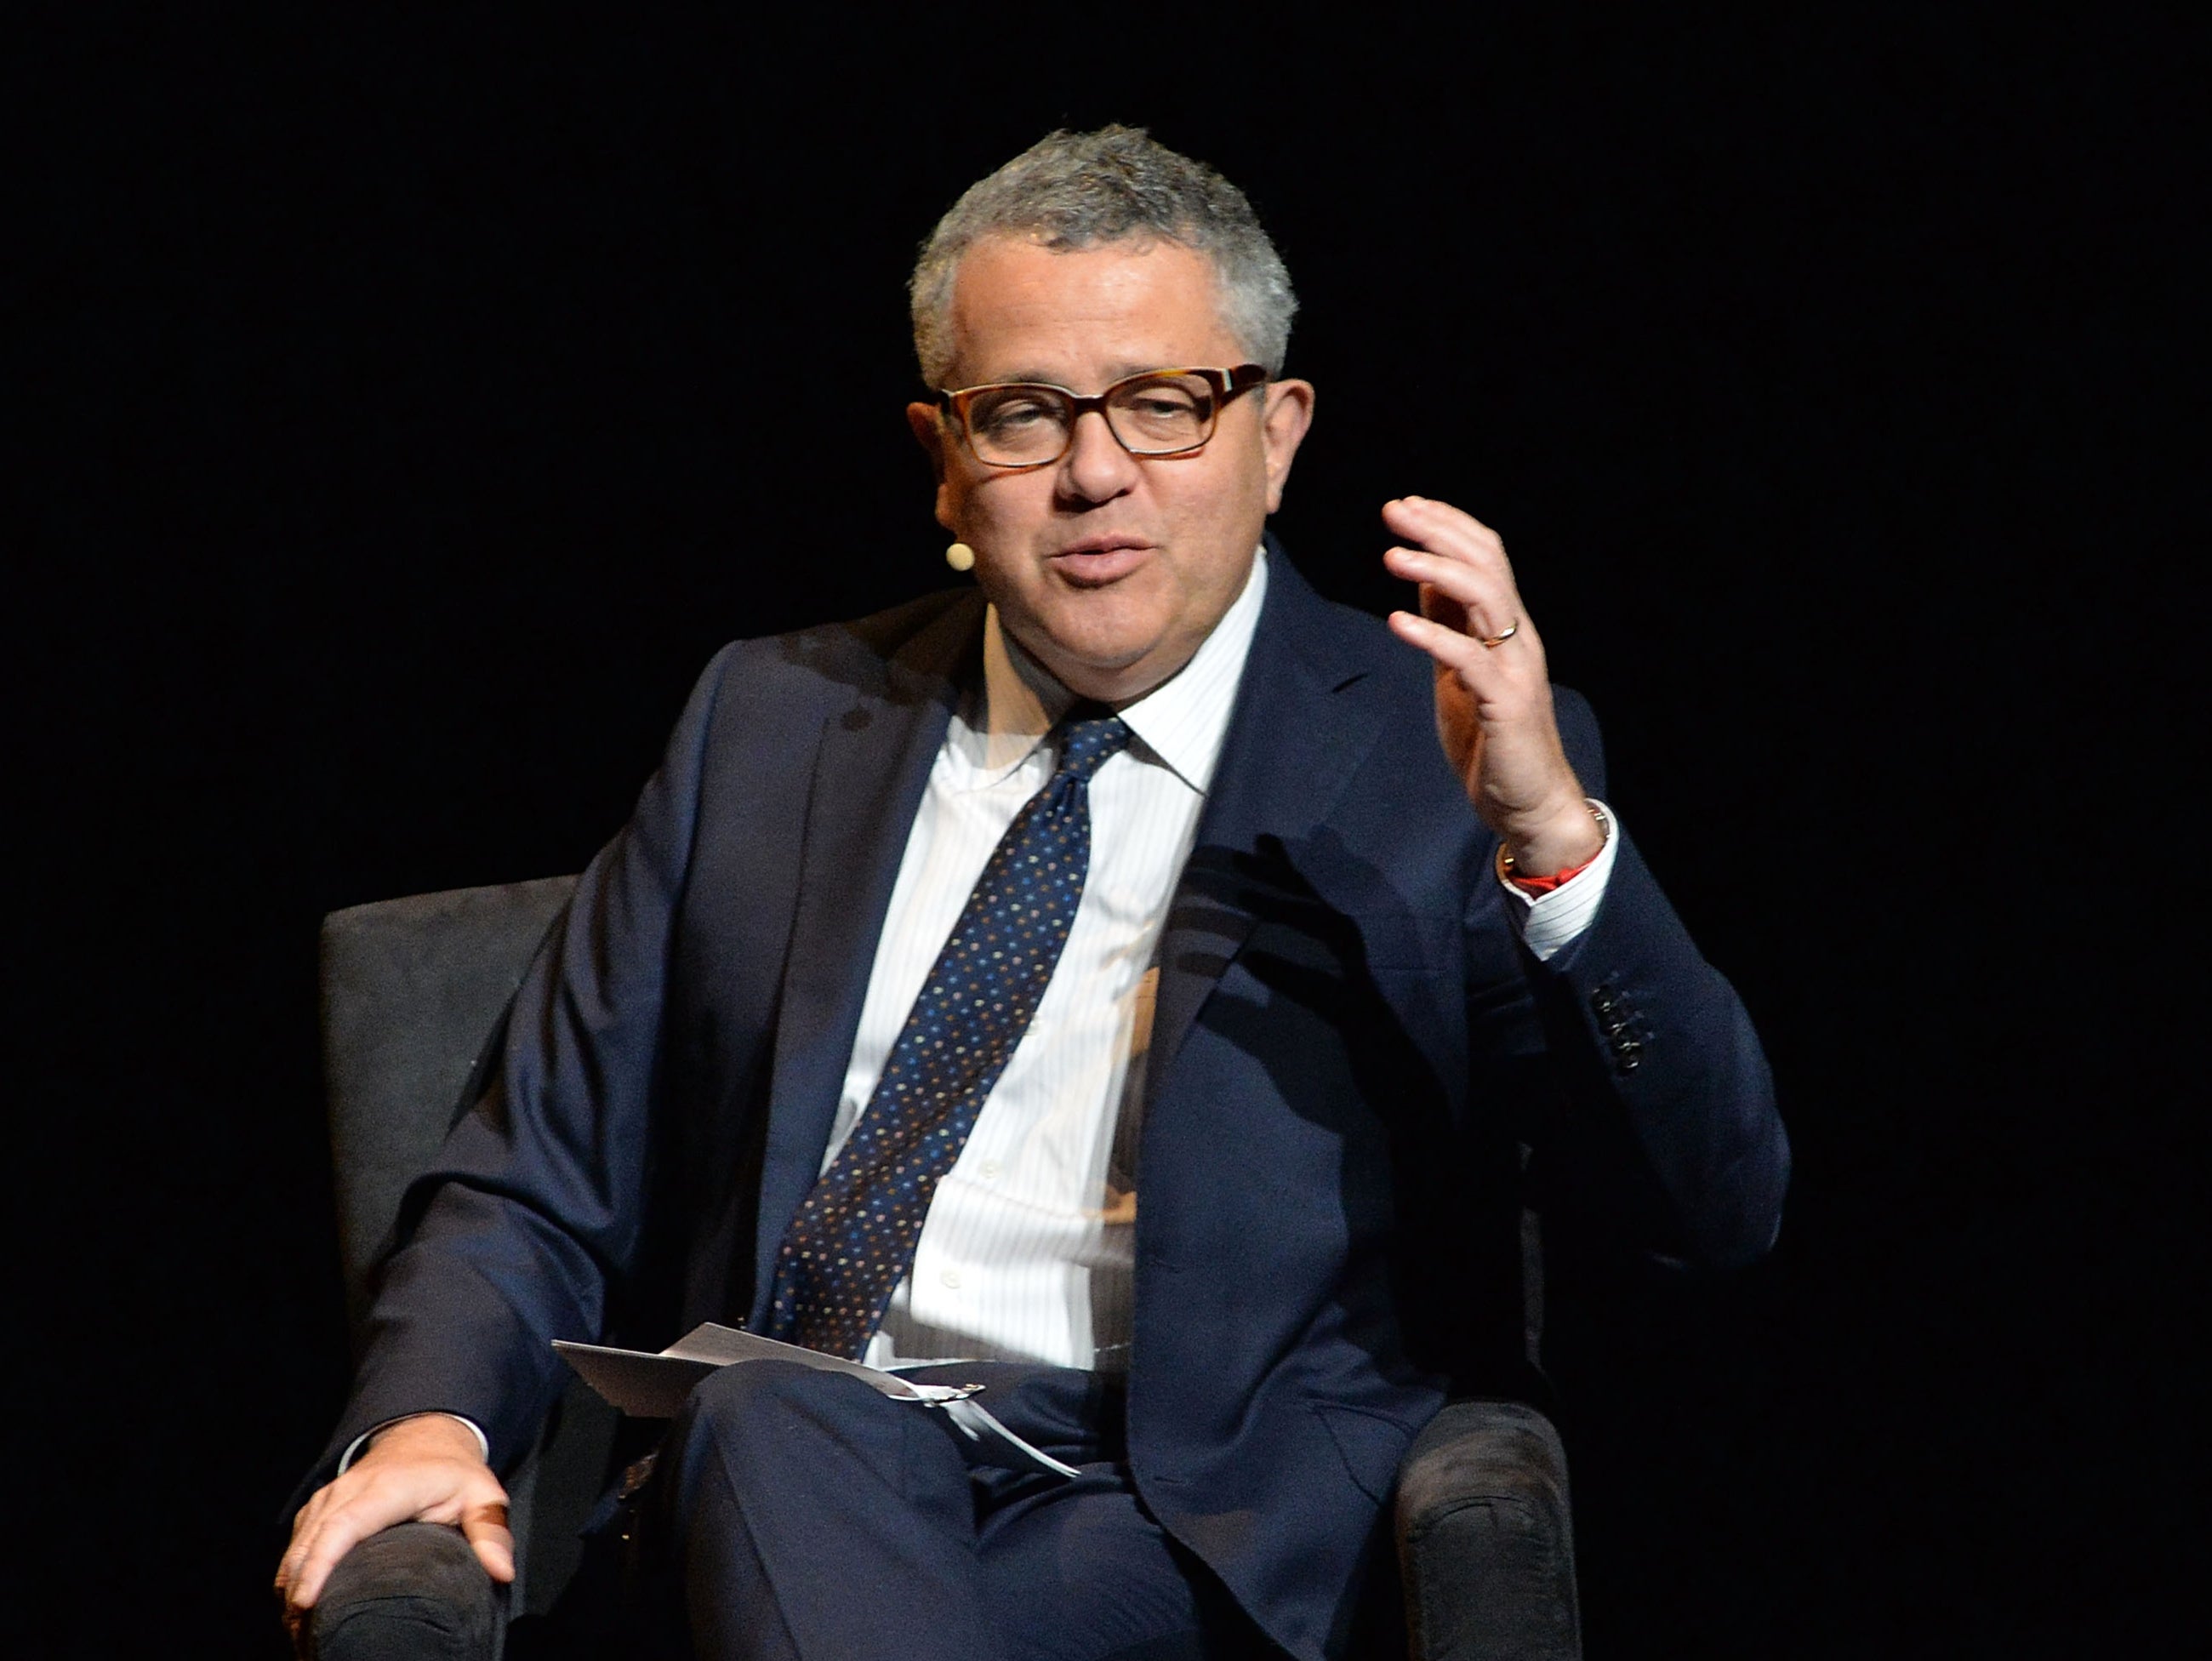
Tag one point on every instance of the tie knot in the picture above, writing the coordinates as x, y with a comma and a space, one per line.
1090, 735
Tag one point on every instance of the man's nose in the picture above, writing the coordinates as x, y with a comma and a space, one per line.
1095, 467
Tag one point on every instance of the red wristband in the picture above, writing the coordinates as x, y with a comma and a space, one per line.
1546, 884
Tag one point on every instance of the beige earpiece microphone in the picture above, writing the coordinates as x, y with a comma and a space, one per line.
960, 556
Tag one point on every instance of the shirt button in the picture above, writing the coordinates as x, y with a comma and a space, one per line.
991, 1169
949, 1278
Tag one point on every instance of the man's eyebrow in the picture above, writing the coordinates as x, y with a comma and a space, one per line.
1121, 371
1028, 376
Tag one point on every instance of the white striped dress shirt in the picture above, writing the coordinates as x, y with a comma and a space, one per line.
1025, 1253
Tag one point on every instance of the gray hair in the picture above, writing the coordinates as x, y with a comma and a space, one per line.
1072, 191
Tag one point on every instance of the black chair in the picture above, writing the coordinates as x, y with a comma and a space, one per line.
412, 986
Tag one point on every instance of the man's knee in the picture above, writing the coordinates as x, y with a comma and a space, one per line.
771, 1447
771, 1401
414, 1591
763, 1426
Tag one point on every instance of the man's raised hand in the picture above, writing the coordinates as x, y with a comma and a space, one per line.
426, 1470
1493, 693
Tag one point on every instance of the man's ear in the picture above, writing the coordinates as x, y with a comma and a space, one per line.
1282, 429
929, 433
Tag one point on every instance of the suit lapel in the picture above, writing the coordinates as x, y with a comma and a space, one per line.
870, 770
1297, 735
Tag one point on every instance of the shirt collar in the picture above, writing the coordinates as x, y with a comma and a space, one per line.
1183, 721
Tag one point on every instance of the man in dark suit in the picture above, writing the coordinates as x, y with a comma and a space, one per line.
1141, 983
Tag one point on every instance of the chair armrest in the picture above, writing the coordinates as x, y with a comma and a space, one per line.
1486, 1543
414, 1592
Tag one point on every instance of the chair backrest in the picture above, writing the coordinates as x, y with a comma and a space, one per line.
410, 989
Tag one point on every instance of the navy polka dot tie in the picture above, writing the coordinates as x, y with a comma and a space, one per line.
853, 1237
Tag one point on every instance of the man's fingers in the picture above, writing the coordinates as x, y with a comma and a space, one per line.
1444, 528
303, 1530
338, 1531
1457, 554
1455, 651
1484, 601
484, 1527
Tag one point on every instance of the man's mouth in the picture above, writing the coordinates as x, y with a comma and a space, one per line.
1098, 560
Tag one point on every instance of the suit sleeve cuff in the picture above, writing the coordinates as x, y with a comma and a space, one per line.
354, 1447
1549, 923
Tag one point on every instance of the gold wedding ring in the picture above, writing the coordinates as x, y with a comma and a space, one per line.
1499, 639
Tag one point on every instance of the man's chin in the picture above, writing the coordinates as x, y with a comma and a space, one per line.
1104, 668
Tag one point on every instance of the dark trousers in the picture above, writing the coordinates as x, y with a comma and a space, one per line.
811, 1519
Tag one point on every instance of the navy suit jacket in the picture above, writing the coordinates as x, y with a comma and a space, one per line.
1349, 1046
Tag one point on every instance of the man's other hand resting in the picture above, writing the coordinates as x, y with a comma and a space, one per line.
424, 1470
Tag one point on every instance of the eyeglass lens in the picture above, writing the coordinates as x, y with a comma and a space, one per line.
1152, 414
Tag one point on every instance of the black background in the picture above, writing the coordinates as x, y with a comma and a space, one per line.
410, 409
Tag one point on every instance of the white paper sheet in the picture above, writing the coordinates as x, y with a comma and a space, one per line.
649, 1386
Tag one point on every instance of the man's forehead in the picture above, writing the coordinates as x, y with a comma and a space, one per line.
1023, 311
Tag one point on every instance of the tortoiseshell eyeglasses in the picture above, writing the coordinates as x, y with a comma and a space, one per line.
1161, 412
